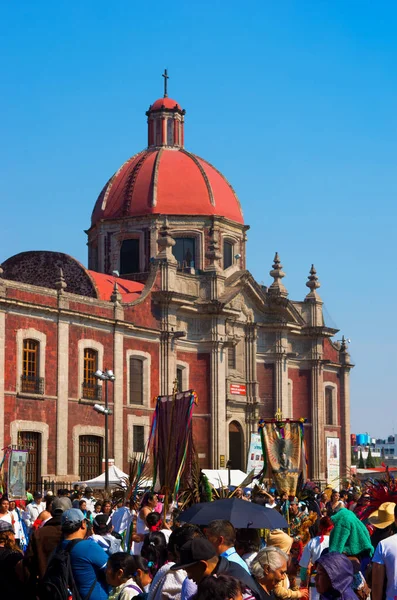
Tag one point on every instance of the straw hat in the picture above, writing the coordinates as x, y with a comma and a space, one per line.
384, 516
278, 538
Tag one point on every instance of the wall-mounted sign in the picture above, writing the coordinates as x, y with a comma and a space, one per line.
238, 389
222, 461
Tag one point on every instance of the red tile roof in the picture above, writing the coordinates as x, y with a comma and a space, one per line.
129, 290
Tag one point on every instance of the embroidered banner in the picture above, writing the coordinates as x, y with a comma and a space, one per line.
283, 441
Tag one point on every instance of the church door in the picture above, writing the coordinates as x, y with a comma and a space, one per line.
236, 446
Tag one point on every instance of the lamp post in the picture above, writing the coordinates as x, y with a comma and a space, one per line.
105, 376
229, 478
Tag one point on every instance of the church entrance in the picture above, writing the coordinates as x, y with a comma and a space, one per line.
236, 446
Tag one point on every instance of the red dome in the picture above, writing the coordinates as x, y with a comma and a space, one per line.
165, 103
167, 181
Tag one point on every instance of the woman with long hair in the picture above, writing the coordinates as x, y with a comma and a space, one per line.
10, 555
154, 549
128, 575
148, 504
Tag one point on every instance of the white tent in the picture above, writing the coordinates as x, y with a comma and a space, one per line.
220, 477
116, 478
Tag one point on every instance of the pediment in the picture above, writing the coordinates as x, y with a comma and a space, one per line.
244, 294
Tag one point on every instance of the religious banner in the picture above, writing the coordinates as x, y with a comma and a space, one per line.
171, 439
255, 454
283, 446
333, 459
17, 474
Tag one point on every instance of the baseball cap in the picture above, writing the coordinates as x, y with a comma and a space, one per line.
59, 505
72, 516
37, 495
88, 489
193, 551
5, 526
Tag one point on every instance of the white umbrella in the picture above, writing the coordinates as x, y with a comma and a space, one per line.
220, 477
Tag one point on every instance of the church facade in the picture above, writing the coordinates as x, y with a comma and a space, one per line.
166, 303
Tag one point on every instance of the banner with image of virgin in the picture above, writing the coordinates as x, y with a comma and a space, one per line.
283, 446
17, 474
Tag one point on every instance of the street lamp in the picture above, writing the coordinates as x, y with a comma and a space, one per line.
105, 376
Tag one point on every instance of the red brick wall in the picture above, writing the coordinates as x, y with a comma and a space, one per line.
199, 380
39, 299
330, 353
301, 392
145, 314
265, 376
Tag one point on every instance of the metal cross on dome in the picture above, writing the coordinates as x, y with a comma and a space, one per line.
166, 77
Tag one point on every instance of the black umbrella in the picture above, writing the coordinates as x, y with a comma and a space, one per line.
240, 513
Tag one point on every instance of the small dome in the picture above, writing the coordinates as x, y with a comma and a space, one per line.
165, 103
168, 181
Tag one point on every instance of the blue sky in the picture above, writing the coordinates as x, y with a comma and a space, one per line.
295, 102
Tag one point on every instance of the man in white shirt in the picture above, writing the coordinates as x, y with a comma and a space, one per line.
33, 509
90, 500
385, 566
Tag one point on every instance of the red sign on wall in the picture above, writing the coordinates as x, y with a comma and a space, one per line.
237, 389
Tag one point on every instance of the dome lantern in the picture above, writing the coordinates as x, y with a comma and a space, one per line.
165, 121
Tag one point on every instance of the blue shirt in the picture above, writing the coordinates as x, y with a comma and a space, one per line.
232, 555
88, 562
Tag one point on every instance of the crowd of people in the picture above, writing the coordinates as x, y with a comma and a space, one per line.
142, 548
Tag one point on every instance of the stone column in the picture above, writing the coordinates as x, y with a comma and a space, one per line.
118, 370
219, 432
318, 422
281, 375
345, 410
118, 387
63, 397
251, 336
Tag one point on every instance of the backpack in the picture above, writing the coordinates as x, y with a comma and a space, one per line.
58, 582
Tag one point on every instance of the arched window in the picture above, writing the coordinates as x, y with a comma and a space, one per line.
136, 381
170, 132
329, 406
90, 388
129, 256
185, 252
179, 378
30, 380
231, 358
90, 456
157, 128
227, 254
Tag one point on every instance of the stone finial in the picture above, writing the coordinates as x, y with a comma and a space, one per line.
277, 288
1, 270
60, 284
213, 253
313, 283
166, 242
344, 351
116, 295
